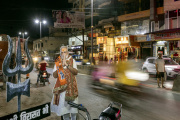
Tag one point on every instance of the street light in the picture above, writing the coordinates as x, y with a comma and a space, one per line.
44, 21
36, 21
40, 22
23, 33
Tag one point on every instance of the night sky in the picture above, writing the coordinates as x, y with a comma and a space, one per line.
18, 15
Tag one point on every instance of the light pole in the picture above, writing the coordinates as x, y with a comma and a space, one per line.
40, 22
91, 31
23, 33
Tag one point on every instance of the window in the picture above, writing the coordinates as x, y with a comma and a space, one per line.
151, 61
41, 44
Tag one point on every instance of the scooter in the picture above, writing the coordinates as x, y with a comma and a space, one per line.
110, 113
44, 76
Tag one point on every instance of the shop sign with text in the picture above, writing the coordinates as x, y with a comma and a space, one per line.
101, 40
140, 38
121, 40
169, 35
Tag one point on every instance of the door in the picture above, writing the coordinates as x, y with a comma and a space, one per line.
160, 49
146, 52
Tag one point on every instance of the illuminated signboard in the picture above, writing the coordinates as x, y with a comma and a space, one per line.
101, 40
121, 40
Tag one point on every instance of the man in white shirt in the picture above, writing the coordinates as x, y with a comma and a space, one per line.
160, 68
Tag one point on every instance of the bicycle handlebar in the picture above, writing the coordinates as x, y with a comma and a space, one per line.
80, 107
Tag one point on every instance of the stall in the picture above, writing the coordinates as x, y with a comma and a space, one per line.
125, 45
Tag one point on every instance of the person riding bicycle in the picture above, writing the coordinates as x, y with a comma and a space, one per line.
42, 65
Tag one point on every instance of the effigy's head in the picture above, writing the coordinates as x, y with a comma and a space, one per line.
64, 51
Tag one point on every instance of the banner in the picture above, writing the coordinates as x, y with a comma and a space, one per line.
35, 113
67, 19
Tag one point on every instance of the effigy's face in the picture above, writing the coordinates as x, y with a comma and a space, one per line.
64, 52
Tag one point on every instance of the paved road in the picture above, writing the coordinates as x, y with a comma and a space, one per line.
151, 104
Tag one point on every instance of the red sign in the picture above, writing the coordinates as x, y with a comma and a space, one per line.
166, 36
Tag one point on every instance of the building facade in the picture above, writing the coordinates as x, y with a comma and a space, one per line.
49, 46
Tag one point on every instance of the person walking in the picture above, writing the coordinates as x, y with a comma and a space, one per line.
65, 88
160, 68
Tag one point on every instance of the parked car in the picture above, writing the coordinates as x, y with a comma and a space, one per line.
172, 68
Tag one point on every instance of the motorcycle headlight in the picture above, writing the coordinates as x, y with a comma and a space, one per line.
137, 76
35, 58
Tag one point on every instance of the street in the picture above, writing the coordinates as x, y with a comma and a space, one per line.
152, 104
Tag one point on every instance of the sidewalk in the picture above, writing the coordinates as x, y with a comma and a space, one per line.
152, 83
38, 96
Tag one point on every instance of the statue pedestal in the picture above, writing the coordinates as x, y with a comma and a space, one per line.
176, 85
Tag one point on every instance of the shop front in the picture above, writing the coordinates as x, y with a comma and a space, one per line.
101, 42
126, 45
160, 47
145, 45
146, 50
109, 49
168, 42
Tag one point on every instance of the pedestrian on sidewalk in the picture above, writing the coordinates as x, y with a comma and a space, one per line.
65, 89
160, 68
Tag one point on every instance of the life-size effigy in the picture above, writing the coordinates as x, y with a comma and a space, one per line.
21, 88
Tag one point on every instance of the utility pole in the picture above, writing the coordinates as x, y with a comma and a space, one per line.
91, 31
83, 42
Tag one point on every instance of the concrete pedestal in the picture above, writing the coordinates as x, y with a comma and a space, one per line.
176, 85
